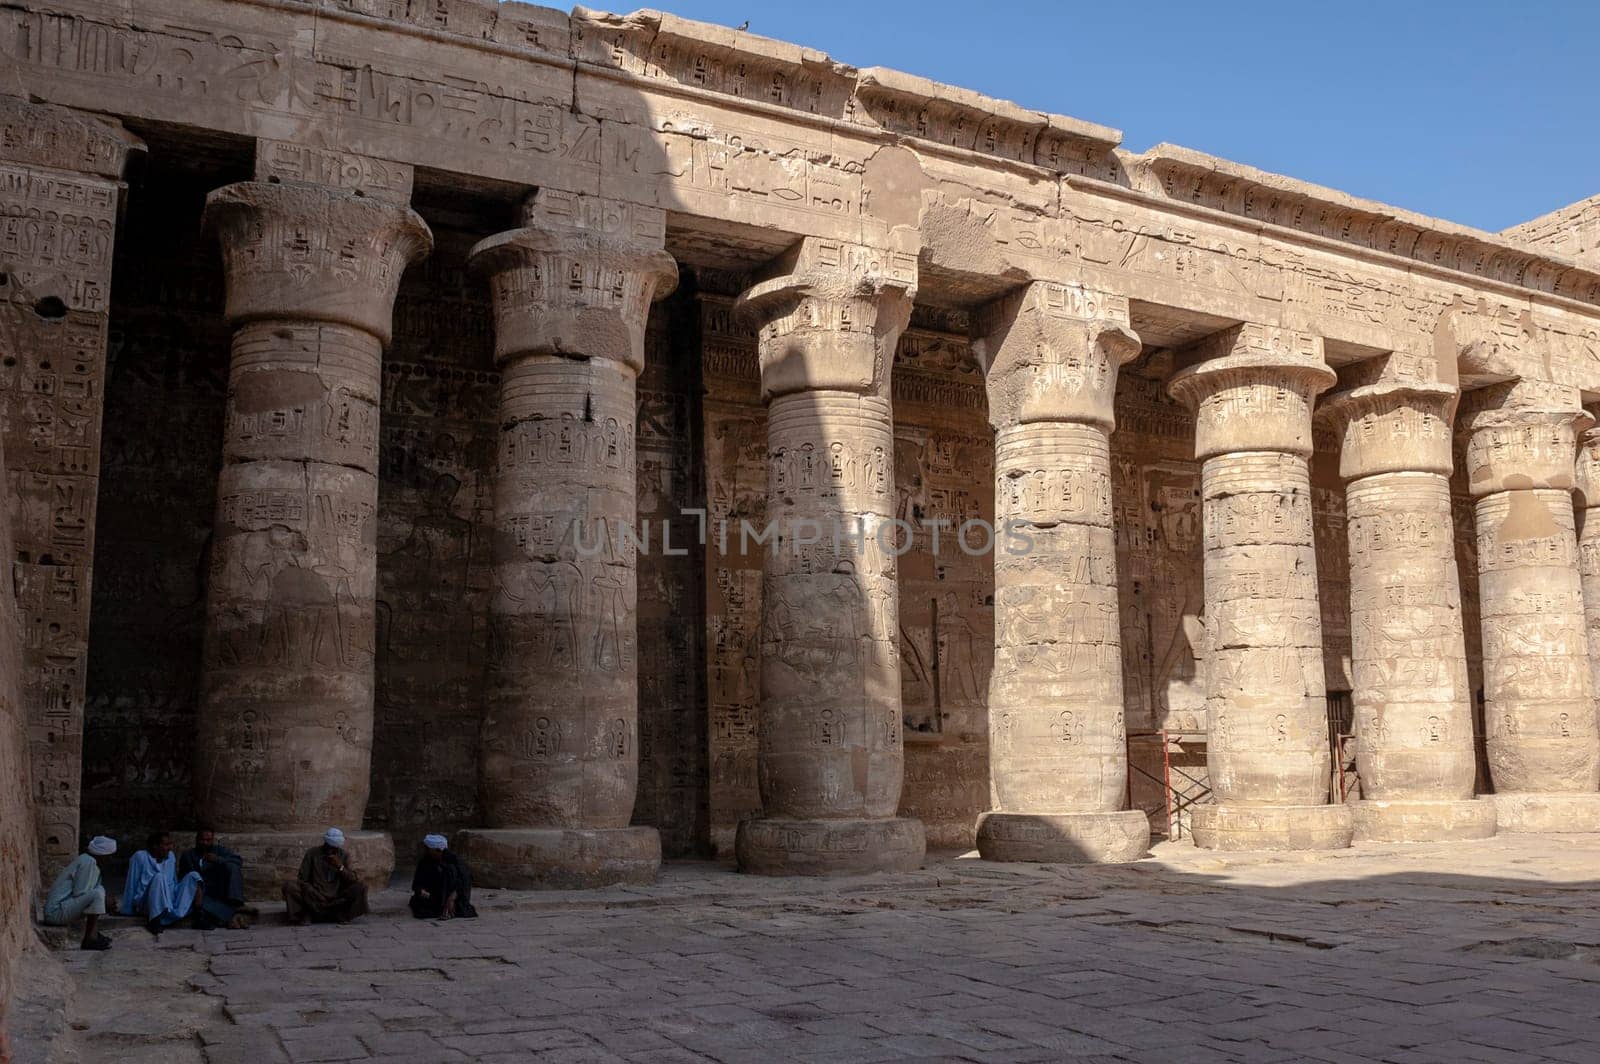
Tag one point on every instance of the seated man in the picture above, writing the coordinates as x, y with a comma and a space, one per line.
326, 887
154, 890
222, 872
441, 887
77, 892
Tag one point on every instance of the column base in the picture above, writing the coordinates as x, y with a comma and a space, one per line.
1377, 820
774, 847
1548, 814
1064, 838
270, 857
561, 858
1271, 827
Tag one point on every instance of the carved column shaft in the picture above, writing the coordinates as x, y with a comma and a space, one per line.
831, 758
830, 722
1267, 746
572, 293
284, 739
1058, 743
1413, 709
1539, 713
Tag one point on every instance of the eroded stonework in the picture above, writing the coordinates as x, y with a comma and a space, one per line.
421, 505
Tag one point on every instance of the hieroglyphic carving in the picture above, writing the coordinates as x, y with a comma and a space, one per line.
1058, 726
571, 292
1252, 390
828, 321
19, 852
673, 718
1539, 715
944, 456
735, 472
1411, 703
59, 191
434, 525
312, 273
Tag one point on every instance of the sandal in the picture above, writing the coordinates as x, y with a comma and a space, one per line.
99, 942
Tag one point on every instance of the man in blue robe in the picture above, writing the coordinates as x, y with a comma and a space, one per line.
222, 873
154, 890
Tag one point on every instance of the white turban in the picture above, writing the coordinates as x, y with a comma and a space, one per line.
101, 846
436, 842
333, 837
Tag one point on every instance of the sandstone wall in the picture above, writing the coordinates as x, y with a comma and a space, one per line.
674, 774
19, 866
166, 393
944, 472
167, 373
436, 457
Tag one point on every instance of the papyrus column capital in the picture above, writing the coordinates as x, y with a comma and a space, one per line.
578, 278
1392, 427
1051, 353
306, 252
1251, 388
829, 317
1522, 435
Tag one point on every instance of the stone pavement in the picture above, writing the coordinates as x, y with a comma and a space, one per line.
1485, 951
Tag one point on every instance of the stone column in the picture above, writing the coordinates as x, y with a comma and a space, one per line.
1539, 712
1588, 527
560, 769
1057, 740
284, 744
60, 191
831, 756
1413, 705
1252, 389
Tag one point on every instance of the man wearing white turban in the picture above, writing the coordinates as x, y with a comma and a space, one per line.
77, 891
327, 888
441, 888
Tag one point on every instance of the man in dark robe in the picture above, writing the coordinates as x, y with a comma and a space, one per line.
327, 888
222, 872
441, 887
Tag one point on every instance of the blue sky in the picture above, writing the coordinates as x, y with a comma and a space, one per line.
1484, 113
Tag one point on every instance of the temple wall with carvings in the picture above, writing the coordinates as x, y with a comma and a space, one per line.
943, 462
674, 773
167, 375
721, 158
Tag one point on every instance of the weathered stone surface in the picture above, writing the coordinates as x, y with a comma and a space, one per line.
1112, 837
1412, 703
1539, 710
60, 185
60, 189
1385, 820
285, 723
1267, 750
781, 846
271, 857
1561, 813
561, 858
387, 563
831, 731
944, 453
1227, 826
1587, 480
19, 862
561, 734
1058, 734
